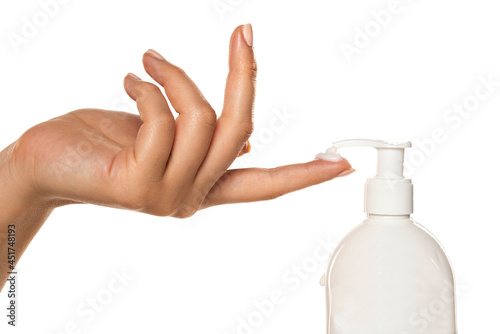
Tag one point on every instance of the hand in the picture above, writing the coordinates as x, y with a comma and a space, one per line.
152, 163
155, 163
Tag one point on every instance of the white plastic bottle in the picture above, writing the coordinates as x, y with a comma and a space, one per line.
389, 275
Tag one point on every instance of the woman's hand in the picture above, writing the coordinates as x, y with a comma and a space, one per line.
152, 163
155, 163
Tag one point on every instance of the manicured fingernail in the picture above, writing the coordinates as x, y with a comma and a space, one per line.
248, 147
132, 75
248, 34
245, 149
155, 54
346, 172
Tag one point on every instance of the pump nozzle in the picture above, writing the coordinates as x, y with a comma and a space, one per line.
390, 155
388, 193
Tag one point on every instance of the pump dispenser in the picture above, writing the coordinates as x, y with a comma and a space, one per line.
389, 275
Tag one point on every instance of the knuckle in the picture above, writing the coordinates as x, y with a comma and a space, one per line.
134, 203
178, 71
148, 88
162, 208
137, 200
248, 68
246, 130
163, 120
252, 69
187, 207
172, 207
184, 211
206, 116
242, 126
141, 196
160, 211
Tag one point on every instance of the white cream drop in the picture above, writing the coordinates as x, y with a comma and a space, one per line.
330, 155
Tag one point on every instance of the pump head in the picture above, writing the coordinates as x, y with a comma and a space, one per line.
388, 193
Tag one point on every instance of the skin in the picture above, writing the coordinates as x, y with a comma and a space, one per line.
152, 163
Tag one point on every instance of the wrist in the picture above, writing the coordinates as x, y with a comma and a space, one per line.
18, 192
22, 210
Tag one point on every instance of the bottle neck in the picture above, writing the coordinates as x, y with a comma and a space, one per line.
388, 196
386, 217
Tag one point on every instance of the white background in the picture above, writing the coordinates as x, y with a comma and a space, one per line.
201, 274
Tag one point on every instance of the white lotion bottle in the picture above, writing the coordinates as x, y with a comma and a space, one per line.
389, 275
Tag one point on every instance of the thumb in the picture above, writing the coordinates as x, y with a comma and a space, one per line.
258, 184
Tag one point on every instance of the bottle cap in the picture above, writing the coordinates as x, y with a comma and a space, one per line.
388, 192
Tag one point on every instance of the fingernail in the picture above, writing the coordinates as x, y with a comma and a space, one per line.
248, 34
346, 172
248, 147
245, 149
132, 75
155, 54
